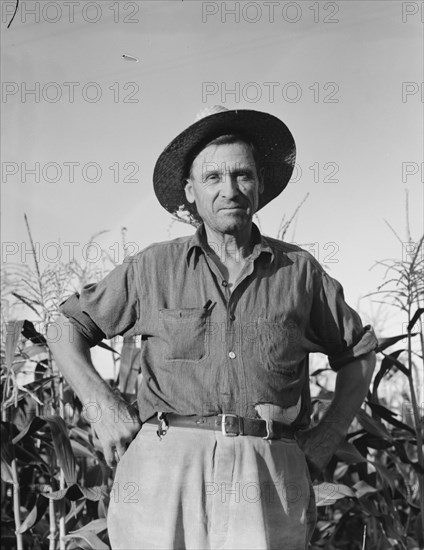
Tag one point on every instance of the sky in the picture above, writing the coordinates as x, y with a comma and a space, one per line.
78, 152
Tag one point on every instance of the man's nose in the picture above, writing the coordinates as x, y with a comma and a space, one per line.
229, 186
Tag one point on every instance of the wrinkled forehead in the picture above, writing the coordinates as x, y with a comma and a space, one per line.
225, 153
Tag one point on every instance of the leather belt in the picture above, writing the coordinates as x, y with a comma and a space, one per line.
230, 425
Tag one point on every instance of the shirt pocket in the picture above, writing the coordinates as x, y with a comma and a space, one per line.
275, 339
185, 334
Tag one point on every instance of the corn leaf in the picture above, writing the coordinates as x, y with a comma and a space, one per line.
13, 333
34, 515
33, 426
90, 538
362, 488
94, 493
95, 526
392, 359
328, 493
349, 453
319, 371
387, 342
80, 451
31, 334
105, 346
7, 455
62, 446
25, 301
73, 513
415, 318
387, 477
373, 426
385, 367
389, 416
34, 350
370, 441
76, 492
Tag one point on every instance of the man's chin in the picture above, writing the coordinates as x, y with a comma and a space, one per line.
235, 220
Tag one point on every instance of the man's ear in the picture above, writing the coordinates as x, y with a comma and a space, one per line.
261, 177
188, 189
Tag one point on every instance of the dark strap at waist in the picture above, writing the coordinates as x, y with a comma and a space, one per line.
230, 425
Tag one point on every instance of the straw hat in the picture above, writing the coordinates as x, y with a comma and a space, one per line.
273, 142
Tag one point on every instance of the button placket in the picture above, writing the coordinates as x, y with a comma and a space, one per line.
231, 329
230, 312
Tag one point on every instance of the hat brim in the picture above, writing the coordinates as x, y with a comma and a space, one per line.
274, 145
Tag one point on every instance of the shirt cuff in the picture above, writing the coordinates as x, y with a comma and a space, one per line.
81, 320
366, 343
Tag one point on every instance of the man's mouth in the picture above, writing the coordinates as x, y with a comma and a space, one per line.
234, 207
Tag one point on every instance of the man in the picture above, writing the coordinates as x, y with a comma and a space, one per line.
227, 319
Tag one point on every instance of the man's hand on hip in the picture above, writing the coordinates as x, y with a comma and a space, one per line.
116, 425
321, 441
319, 444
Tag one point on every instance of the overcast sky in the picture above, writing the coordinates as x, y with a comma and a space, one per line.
344, 76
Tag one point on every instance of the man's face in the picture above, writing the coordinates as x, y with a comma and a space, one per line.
225, 186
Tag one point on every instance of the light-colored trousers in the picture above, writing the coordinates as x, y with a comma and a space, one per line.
199, 490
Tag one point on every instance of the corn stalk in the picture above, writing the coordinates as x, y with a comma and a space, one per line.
16, 505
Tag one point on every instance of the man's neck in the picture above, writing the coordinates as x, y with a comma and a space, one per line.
230, 249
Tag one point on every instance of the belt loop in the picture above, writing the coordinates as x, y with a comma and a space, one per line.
265, 413
241, 425
269, 428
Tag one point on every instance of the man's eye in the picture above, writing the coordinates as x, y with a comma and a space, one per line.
211, 177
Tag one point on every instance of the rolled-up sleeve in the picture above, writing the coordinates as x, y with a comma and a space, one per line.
336, 329
105, 309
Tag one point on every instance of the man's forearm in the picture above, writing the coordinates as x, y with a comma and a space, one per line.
117, 423
72, 355
352, 385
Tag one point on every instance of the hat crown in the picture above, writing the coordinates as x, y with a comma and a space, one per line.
208, 111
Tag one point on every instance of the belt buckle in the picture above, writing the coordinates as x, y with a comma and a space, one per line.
223, 430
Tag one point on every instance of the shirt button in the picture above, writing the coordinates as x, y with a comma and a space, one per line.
224, 283
232, 355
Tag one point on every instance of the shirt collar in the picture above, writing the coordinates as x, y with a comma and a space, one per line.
198, 245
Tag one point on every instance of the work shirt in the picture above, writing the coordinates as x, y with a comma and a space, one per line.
206, 350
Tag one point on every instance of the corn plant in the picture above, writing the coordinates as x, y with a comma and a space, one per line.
55, 483
372, 492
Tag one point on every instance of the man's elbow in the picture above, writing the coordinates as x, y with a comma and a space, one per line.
56, 329
368, 362
360, 370
61, 332
371, 360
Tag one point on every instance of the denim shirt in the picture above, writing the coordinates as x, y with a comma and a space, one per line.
206, 350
